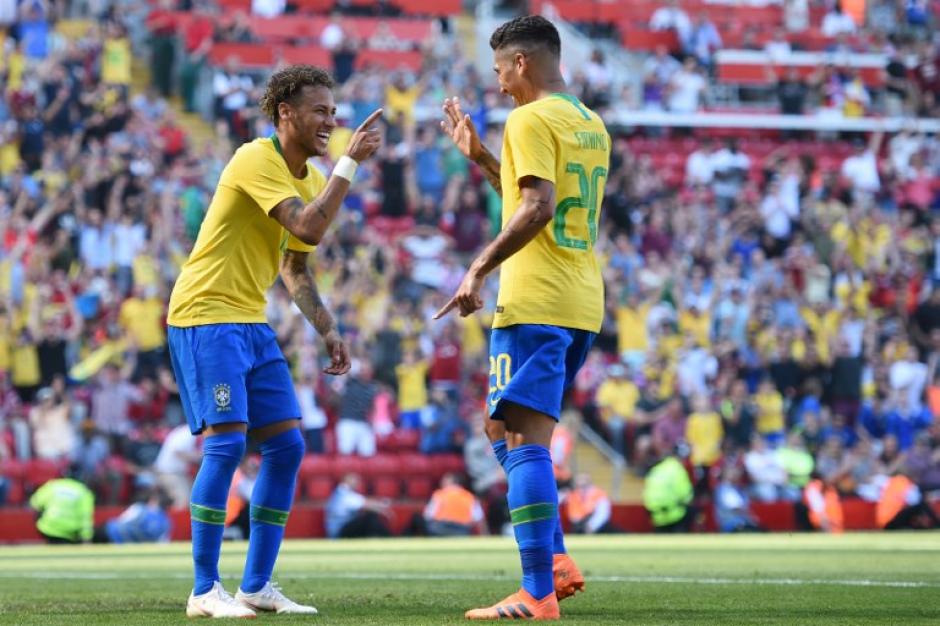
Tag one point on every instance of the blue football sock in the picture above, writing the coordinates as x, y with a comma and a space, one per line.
499, 448
221, 454
271, 500
558, 540
533, 507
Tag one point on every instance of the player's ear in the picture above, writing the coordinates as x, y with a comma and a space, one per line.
283, 111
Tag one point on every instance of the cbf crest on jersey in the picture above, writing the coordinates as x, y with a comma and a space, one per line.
223, 397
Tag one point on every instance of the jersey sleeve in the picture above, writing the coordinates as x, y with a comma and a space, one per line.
531, 145
262, 175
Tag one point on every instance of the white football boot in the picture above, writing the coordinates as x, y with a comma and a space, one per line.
270, 598
216, 602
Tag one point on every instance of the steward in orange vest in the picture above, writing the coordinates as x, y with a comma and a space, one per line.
589, 507
823, 506
453, 511
902, 506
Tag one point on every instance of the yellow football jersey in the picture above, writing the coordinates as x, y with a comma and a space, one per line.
238, 250
556, 278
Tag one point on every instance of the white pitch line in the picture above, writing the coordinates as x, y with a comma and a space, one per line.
899, 584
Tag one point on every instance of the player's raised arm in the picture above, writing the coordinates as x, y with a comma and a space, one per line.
459, 127
299, 280
534, 213
309, 222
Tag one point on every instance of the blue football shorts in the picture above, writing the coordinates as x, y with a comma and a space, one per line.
534, 364
231, 373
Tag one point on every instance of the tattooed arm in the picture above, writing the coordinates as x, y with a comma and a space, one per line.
309, 222
298, 278
535, 212
490, 166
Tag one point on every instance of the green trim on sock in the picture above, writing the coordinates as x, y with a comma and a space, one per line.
269, 516
207, 515
533, 513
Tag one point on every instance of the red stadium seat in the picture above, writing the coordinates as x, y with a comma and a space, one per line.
580, 11
408, 440
438, 8
40, 471
234, 5
419, 487
315, 465
451, 463
389, 60
318, 487
347, 464
286, 28
316, 477
248, 55
312, 55
314, 6
647, 40
406, 29
383, 474
418, 470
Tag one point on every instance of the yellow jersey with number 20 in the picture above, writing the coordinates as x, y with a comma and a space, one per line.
555, 279
238, 250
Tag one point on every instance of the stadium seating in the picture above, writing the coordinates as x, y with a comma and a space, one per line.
388, 474
389, 59
246, 55
382, 474
40, 471
746, 67
306, 520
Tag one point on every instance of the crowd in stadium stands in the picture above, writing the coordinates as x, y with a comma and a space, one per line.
772, 316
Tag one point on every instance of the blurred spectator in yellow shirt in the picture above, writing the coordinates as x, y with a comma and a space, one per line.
142, 317
632, 333
704, 432
770, 419
616, 400
412, 377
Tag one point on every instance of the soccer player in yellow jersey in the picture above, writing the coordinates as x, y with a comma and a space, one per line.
270, 209
551, 297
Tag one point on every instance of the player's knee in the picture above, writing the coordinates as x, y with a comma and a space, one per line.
495, 430
226, 447
286, 449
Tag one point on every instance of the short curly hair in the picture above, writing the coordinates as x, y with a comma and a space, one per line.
527, 30
287, 83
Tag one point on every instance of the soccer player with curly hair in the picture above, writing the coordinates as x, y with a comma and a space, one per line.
269, 211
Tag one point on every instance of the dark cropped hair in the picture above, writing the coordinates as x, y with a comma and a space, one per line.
286, 84
527, 30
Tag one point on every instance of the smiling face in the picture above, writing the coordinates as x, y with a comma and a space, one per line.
311, 118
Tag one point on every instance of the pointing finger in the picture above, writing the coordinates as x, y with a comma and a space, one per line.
447, 308
370, 120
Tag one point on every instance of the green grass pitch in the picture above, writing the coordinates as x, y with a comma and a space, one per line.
881, 579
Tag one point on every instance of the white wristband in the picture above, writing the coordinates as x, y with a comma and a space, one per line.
345, 168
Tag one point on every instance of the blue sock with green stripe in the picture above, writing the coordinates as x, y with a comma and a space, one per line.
271, 500
558, 538
220, 456
533, 507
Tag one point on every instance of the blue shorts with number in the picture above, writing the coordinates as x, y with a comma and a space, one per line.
231, 373
534, 364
